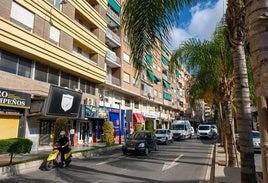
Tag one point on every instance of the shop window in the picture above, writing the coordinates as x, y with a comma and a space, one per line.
46, 129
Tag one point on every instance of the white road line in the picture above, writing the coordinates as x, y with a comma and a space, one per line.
168, 165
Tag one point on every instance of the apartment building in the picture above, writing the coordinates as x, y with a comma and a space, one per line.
54, 53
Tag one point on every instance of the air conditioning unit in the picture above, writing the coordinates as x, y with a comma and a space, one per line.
89, 101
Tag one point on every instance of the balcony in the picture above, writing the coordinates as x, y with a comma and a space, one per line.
112, 60
112, 18
112, 80
112, 39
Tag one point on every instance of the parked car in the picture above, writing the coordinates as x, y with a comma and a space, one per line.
205, 131
164, 136
141, 142
192, 130
256, 141
181, 129
214, 127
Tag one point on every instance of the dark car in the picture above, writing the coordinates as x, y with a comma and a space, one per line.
141, 142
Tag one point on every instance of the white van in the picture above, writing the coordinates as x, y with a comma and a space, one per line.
181, 129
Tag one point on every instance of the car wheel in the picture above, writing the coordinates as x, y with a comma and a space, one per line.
166, 142
146, 151
124, 152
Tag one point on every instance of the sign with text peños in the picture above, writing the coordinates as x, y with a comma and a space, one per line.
9, 98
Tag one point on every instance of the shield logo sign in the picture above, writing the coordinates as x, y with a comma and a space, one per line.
67, 102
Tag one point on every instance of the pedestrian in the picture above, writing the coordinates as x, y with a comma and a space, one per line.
87, 134
72, 133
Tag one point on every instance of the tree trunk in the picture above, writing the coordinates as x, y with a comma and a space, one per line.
257, 21
235, 18
229, 135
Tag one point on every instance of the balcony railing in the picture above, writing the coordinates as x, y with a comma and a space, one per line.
112, 80
113, 15
112, 36
111, 57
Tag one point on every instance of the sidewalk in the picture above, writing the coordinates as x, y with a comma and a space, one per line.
225, 174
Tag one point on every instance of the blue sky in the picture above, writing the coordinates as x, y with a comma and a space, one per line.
198, 21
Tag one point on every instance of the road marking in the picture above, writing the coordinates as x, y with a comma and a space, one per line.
109, 160
168, 165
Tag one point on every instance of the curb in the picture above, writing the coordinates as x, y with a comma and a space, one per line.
24, 167
210, 174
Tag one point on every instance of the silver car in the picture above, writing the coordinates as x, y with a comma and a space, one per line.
256, 141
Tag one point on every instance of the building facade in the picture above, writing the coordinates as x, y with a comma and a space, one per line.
54, 53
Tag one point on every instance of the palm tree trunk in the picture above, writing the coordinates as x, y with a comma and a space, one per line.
257, 21
235, 18
229, 135
244, 117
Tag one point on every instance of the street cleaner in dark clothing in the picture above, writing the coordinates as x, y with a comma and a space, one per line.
63, 146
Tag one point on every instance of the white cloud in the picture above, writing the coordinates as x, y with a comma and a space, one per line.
202, 24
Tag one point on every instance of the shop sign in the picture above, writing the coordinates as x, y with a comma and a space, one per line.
15, 99
63, 102
89, 111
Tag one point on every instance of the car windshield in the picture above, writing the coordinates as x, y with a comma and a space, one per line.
138, 135
204, 127
256, 134
178, 127
160, 131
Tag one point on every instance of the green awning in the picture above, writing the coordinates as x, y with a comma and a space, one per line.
152, 76
167, 96
149, 59
115, 6
178, 74
164, 60
166, 84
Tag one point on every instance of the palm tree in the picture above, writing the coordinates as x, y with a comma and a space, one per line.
145, 22
257, 23
214, 63
236, 33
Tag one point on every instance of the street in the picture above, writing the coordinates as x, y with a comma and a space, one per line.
181, 161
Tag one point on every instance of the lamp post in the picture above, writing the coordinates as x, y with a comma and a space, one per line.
119, 123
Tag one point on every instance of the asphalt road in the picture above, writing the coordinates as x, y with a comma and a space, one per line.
181, 162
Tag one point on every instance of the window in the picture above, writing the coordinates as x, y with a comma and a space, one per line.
21, 16
8, 62
58, 4
41, 72
136, 104
126, 57
64, 81
53, 76
126, 77
87, 87
54, 35
127, 102
24, 67
73, 82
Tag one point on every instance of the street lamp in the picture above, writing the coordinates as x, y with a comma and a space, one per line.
119, 103
119, 123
